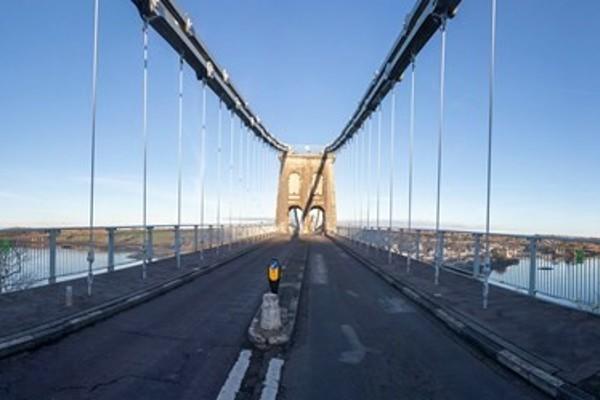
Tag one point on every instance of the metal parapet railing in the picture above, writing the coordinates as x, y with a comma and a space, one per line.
39, 256
565, 270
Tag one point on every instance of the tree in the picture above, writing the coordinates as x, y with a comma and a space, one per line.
12, 260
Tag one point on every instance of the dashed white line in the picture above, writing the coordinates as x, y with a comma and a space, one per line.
358, 352
271, 383
319, 271
236, 375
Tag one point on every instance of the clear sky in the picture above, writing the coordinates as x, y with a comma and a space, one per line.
303, 65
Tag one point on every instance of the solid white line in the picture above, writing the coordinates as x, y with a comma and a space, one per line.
271, 383
236, 375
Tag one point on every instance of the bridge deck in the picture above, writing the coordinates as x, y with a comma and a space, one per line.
356, 337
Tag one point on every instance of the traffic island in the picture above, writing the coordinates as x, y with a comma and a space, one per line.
266, 328
274, 321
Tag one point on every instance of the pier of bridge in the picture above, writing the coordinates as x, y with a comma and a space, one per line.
306, 182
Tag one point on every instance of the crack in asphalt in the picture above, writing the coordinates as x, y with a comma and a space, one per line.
68, 388
172, 379
128, 376
151, 335
179, 371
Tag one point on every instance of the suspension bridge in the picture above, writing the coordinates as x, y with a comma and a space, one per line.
370, 308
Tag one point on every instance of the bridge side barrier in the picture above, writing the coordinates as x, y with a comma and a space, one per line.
565, 270
35, 257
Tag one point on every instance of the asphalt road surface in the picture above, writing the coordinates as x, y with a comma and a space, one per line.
359, 338
178, 346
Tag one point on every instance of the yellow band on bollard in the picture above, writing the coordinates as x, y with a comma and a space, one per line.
273, 274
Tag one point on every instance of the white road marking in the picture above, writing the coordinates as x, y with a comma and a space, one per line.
395, 305
271, 383
236, 375
352, 293
358, 352
319, 271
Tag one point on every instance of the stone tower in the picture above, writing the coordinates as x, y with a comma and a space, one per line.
306, 182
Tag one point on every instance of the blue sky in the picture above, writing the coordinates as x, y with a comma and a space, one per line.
303, 66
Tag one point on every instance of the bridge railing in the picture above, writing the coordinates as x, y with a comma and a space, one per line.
34, 257
560, 269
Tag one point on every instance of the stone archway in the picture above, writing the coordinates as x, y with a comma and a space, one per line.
295, 220
306, 181
316, 220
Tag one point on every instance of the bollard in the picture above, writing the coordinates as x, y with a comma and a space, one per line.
69, 296
195, 238
270, 315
